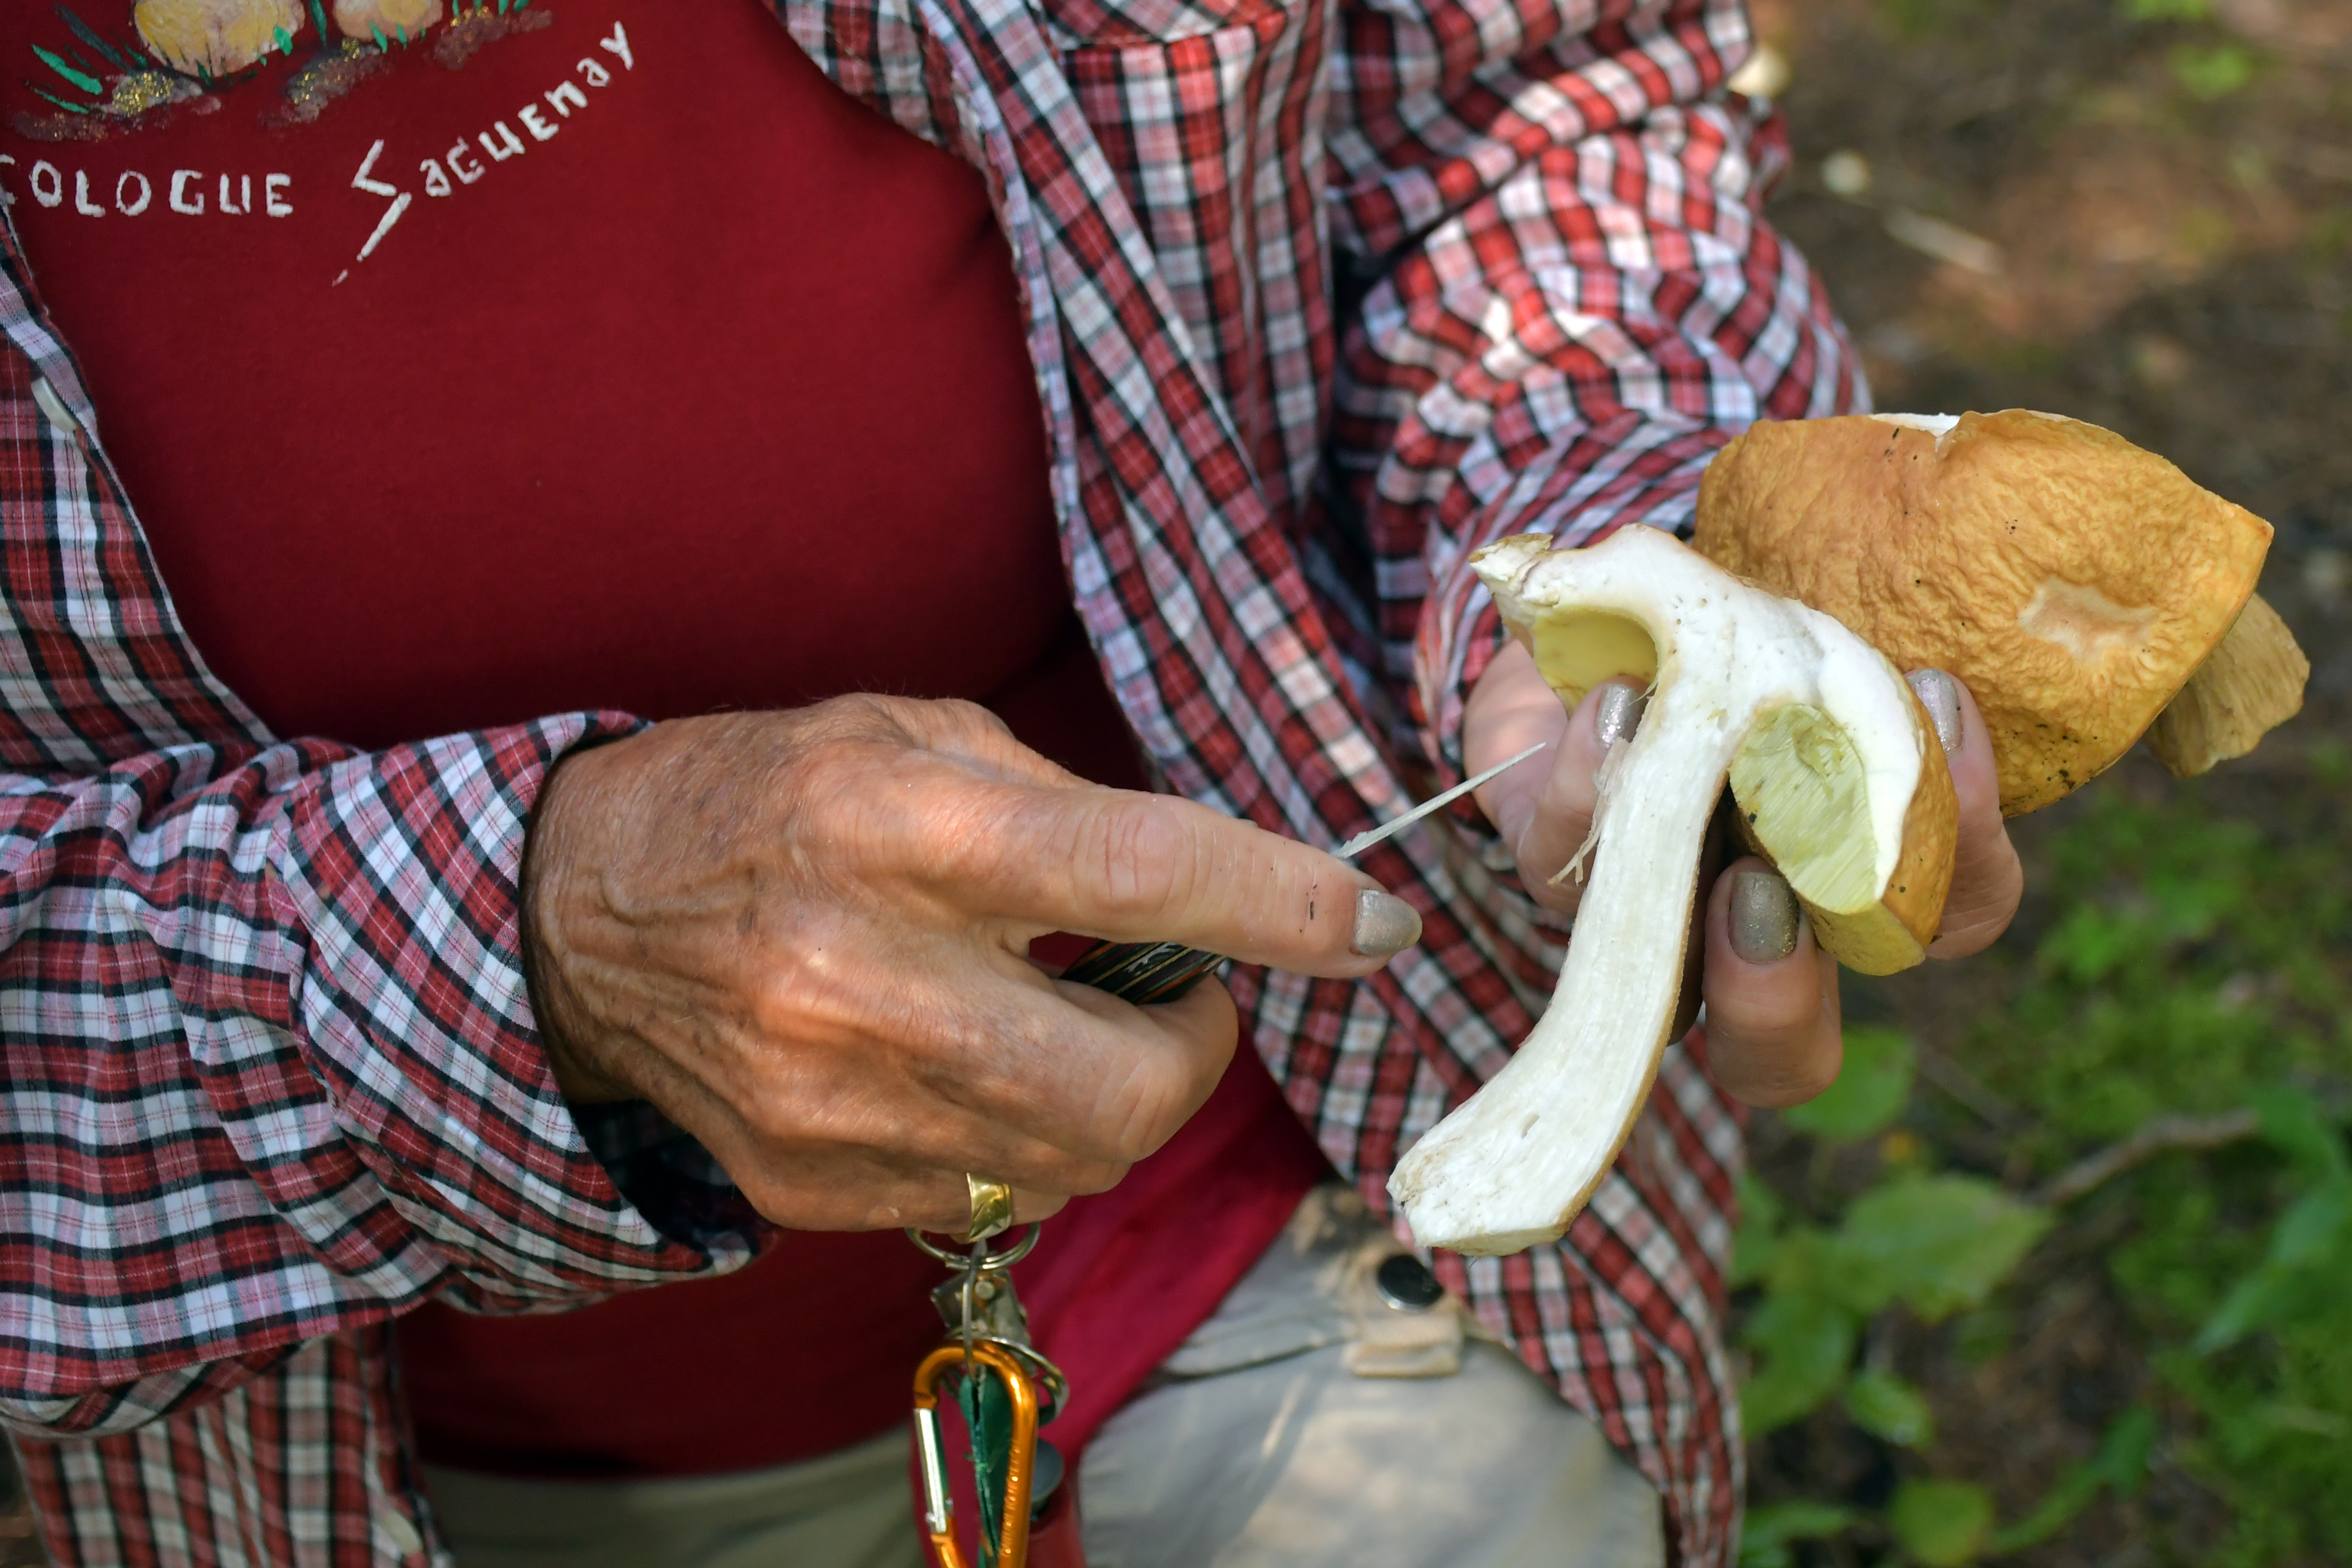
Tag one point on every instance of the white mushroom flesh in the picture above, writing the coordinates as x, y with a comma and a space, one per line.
1511, 1167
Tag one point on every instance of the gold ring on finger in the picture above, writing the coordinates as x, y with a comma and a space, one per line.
991, 1207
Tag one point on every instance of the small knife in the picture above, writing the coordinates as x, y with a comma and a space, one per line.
1145, 972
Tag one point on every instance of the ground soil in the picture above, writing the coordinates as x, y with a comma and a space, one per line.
2179, 269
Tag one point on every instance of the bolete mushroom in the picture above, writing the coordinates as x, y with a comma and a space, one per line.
214, 37
2084, 588
2076, 582
1837, 774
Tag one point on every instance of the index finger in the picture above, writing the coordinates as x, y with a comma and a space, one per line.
1130, 867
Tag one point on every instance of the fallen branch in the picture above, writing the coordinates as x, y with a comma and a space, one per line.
2154, 1137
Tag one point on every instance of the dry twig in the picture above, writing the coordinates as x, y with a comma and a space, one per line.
2154, 1136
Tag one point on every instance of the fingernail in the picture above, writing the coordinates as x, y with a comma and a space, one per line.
1615, 718
1385, 924
1940, 696
1763, 917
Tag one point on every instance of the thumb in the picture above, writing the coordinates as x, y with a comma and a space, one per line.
1554, 812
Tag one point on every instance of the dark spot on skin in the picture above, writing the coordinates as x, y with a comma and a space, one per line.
1751, 816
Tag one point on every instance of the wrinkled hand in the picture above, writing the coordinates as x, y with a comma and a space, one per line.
803, 936
1771, 996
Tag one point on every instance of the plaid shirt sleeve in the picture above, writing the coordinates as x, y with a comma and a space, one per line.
1586, 303
271, 1069
1571, 302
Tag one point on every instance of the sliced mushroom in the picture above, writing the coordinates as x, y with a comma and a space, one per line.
1837, 774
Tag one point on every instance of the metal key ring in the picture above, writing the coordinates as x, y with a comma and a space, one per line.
979, 1258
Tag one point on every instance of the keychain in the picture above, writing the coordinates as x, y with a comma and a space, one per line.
1006, 1389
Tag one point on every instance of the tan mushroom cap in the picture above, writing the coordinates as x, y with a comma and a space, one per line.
2075, 581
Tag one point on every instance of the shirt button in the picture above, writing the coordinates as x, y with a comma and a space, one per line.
1406, 1284
53, 408
400, 1531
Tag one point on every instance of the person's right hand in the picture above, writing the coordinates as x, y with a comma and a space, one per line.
803, 936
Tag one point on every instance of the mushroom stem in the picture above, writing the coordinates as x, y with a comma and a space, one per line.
1512, 1168
1836, 771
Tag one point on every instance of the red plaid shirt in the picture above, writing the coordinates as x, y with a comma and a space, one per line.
1321, 297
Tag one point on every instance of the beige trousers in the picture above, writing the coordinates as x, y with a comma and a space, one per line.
1309, 1423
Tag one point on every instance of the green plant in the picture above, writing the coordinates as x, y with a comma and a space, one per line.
2208, 71
2186, 961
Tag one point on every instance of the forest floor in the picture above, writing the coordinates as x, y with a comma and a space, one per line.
2137, 213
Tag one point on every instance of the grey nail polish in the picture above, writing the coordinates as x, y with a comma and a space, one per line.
1385, 924
1617, 714
1940, 696
1763, 917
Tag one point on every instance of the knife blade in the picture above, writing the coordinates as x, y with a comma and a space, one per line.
1147, 972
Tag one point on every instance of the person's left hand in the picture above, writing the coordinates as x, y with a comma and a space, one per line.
1772, 1020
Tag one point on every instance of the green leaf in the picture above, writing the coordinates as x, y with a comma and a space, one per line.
1870, 1092
1764, 1540
2121, 1463
1885, 1406
1755, 1243
1938, 1243
2293, 1125
1942, 1525
1807, 1345
2310, 1257
81, 79
1805, 1262
2167, 10
88, 35
2208, 73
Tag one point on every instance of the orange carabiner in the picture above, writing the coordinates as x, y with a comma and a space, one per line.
1021, 1464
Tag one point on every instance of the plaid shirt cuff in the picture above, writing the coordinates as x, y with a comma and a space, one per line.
403, 870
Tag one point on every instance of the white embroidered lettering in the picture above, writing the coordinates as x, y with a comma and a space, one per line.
54, 191
83, 204
507, 139
130, 207
391, 216
457, 156
180, 203
618, 43
437, 184
540, 130
7, 161
566, 98
359, 181
245, 185
374, 187
273, 195
597, 75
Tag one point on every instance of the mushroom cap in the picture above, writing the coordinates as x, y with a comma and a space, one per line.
215, 38
2075, 581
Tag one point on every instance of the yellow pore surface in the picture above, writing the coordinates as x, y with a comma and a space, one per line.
2072, 580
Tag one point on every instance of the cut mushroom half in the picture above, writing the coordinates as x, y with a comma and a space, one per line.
1838, 777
